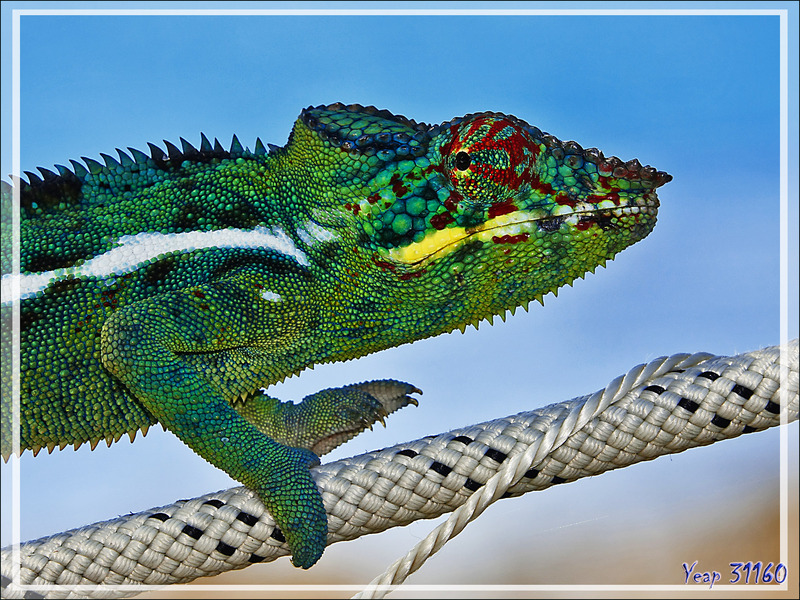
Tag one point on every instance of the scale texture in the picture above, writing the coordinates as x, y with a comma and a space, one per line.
172, 287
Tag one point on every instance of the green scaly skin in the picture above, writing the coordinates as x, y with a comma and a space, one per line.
171, 288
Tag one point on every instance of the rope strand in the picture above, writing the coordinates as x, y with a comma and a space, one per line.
513, 471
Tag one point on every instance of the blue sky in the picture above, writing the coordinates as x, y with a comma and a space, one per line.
696, 96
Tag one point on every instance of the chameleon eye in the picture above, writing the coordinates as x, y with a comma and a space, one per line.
489, 160
463, 161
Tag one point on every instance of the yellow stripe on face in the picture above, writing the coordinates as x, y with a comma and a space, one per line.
432, 243
446, 240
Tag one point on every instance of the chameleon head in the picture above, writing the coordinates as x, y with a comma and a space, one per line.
484, 213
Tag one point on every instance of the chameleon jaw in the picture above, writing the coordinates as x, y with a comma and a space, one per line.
519, 223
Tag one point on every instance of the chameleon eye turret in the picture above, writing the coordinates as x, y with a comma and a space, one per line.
173, 286
489, 159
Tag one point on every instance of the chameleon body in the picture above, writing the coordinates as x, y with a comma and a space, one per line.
172, 287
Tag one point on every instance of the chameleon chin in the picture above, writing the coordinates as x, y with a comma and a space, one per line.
171, 287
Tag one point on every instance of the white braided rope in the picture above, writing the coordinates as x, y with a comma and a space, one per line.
576, 418
667, 406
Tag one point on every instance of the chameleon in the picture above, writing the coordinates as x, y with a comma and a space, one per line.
175, 287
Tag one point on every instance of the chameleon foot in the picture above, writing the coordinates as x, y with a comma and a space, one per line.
287, 489
327, 419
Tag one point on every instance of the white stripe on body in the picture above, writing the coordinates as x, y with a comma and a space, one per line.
310, 233
134, 250
271, 296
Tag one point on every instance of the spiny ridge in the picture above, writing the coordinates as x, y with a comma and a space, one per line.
369, 110
91, 179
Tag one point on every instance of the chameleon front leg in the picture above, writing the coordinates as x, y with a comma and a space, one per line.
177, 353
329, 418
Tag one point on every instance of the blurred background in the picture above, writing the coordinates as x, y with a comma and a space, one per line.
696, 95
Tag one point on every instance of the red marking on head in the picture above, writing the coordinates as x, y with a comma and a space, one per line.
501, 208
604, 182
564, 199
411, 275
514, 142
544, 188
442, 220
373, 198
448, 147
398, 187
510, 239
597, 198
198, 294
383, 264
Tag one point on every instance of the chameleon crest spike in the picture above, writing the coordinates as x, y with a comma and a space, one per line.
173, 287
156, 153
47, 174
125, 160
236, 146
33, 178
110, 161
173, 151
94, 166
187, 149
79, 169
139, 156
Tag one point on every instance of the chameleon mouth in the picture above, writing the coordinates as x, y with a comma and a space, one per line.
515, 227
